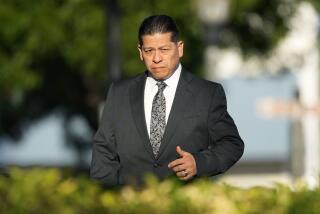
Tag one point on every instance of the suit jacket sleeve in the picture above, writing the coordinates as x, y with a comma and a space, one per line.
105, 162
226, 146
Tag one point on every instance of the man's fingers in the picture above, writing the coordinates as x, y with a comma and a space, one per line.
185, 178
182, 173
181, 152
183, 167
179, 168
176, 162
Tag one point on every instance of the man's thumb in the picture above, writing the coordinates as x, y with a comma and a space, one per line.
180, 151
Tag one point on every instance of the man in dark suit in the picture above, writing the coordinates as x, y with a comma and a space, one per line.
165, 121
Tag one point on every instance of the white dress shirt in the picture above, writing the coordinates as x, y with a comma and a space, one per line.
151, 89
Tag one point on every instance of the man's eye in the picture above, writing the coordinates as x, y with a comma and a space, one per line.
147, 51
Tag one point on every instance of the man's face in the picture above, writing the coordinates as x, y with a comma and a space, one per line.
160, 55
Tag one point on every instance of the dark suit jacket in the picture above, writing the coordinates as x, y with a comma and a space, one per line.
198, 122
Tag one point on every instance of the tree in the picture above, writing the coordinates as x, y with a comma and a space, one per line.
50, 56
256, 26
53, 55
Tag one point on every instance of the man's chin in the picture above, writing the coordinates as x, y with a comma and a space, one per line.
160, 75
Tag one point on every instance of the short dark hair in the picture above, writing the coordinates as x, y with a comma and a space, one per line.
158, 24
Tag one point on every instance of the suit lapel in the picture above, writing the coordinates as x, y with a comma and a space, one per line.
181, 101
137, 107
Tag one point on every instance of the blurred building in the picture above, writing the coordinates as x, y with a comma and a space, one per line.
50, 141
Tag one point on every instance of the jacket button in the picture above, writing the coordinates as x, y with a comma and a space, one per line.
155, 165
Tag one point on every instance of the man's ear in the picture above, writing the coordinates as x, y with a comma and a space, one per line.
180, 48
140, 52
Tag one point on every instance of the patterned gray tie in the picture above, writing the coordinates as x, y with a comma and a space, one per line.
158, 118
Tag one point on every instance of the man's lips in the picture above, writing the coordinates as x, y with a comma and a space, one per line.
157, 68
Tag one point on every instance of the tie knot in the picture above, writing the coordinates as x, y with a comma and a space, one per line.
161, 85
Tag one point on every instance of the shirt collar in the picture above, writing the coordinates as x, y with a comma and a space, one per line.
174, 78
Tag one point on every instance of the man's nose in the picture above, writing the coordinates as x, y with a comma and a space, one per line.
157, 57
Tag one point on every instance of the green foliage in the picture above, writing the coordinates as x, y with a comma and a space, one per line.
53, 54
315, 3
37, 31
256, 26
51, 191
33, 32
46, 191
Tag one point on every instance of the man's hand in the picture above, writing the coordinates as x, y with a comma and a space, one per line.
185, 167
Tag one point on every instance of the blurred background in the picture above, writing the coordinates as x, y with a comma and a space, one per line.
57, 58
